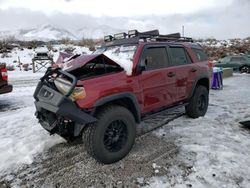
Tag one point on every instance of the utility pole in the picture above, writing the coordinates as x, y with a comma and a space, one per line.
183, 30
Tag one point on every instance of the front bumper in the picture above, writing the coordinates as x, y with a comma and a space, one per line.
53, 109
6, 89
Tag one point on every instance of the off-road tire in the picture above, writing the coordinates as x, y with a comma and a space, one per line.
94, 134
198, 104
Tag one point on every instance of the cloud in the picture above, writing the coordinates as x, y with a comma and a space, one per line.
228, 21
114, 8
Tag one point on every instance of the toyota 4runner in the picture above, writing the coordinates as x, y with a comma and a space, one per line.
103, 97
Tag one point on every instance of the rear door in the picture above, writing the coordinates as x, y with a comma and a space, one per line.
185, 71
157, 88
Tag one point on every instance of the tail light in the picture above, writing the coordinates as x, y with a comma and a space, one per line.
210, 64
64, 86
4, 74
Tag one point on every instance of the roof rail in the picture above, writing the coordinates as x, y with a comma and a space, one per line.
136, 36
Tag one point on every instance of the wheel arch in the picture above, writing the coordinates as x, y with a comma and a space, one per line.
126, 99
202, 80
245, 65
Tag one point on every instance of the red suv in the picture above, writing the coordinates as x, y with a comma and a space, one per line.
103, 97
4, 86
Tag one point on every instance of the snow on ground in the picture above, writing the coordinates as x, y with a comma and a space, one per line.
216, 147
26, 55
21, 136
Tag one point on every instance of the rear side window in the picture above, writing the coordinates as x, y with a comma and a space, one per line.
179, 56
201, 56
156, 57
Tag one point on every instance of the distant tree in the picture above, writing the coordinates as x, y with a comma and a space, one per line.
49, 46
66, 41
33, 44
69, 49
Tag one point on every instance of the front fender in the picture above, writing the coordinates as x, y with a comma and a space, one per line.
135, 108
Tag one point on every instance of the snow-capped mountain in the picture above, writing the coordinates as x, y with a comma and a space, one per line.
50, 32
44, 33
47, 32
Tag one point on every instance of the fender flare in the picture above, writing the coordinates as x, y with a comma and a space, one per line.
124, 95
196, 82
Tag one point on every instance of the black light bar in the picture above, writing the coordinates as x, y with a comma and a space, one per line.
172, 35
134, 36
150, 33
132, 33
108, 38
120, 36
147, 34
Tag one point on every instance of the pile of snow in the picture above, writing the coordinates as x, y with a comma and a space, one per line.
215, 146
123, 56
223, 43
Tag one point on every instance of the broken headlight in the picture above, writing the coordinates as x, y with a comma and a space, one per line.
64, 86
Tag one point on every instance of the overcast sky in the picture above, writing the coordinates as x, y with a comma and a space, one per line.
201, 18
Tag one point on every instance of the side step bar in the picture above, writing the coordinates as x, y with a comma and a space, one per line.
154, 121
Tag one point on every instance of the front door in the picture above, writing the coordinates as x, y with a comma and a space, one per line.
157, 87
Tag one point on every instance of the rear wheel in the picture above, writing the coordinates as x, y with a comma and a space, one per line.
199, 103
245, 69
112, 136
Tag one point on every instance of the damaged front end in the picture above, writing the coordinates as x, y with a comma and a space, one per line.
55, 107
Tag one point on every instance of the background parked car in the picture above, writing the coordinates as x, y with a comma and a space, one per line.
238, 63
4, 86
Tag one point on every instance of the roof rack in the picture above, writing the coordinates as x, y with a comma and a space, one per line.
135, 36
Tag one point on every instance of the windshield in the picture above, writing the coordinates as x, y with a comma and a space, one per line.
123, 50
122, 55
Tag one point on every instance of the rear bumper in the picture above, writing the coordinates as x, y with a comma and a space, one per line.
6, 89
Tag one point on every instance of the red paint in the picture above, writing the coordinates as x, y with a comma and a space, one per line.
154, 89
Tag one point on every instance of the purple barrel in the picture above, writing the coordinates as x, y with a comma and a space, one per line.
217, 80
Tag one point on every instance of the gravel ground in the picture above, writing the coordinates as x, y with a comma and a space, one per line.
183, 153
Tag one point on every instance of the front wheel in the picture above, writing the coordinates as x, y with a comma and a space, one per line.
112, 136
245, 69
199, 103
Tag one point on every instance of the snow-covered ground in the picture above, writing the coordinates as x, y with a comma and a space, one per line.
25, 56
216, 147
21, 137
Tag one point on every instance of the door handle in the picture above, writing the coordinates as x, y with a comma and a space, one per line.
171, 74
193, 70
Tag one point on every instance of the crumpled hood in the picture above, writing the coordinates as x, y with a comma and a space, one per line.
82, 60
